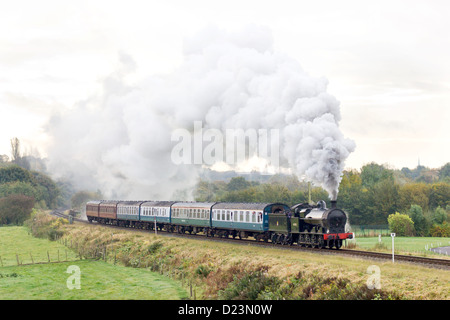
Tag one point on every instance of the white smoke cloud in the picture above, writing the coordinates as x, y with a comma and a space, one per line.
120, 141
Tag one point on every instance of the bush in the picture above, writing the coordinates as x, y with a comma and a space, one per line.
401, 224
441, 230
43, 225
250, 286
15, 209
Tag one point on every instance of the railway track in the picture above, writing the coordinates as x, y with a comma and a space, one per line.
431, 262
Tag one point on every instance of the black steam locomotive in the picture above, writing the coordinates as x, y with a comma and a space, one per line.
310, 225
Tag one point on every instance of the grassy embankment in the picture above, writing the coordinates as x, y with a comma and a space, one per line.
228, 271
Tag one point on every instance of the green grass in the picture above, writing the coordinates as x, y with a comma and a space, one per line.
98, 279
413, 245
17, 241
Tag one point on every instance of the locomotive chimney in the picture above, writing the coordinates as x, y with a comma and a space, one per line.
333, 204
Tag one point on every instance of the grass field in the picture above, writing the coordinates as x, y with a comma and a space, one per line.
98, 279
407, 245
17, 243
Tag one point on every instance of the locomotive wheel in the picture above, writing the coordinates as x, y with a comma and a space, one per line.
288, 240
308, 242
330, 244
322, 244
274, 238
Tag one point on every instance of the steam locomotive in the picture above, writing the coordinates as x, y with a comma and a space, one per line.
303, 224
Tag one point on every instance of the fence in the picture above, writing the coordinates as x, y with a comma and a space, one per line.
370, 230
39, 256
30, 258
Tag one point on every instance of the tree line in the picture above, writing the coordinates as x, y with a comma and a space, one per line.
369, 195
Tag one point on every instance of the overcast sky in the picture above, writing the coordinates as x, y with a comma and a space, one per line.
387, 62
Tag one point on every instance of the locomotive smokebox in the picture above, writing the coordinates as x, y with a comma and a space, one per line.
333, 204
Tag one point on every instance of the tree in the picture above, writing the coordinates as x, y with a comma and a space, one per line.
401, 224
15, 173
204, 191
439, 216
50, 191
15, 150
439, 195
352, 198
383, 197
413, 193
421, 224
80, 198
16, 156
444, 172
237, 183
373, 173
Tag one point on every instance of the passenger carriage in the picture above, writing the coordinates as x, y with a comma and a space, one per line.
243, 219
156, 211
192, 217
92, 210
128, 212
108, 212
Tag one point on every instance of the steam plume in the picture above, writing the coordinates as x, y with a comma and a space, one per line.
120, 141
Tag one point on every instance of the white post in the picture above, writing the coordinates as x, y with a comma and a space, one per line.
393, 236
156, 232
